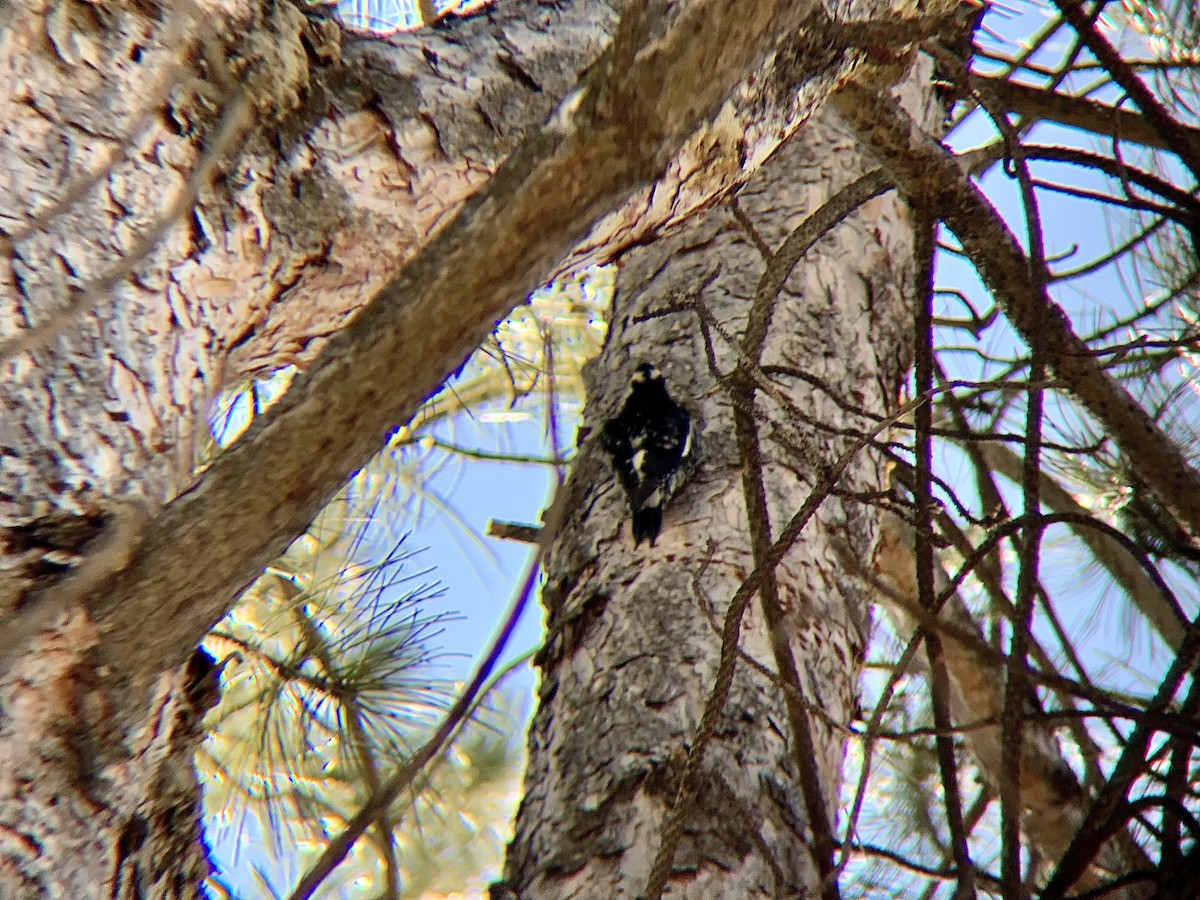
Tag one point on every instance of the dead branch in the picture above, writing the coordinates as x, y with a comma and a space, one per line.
1078, 112
926, 173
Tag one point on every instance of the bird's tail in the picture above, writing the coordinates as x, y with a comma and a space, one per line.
647, 523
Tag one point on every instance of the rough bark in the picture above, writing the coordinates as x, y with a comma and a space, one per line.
348, 159
138, 286
634, 635
660, 81
88, 483
72, 825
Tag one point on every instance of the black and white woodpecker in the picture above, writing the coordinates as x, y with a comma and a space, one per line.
654, 446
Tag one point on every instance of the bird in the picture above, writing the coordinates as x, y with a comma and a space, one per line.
654, 446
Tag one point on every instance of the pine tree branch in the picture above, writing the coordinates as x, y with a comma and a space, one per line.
1183, 142
927, 173
1120, 559
1108, 811
386, 794
1051, 798
1121, 171
971, 641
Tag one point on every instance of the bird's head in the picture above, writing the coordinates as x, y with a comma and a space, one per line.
645, 373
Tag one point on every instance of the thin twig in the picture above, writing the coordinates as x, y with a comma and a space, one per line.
1182, 141
513, 531
924, 233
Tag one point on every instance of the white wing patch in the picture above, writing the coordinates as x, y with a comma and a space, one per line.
639, 460
653, 445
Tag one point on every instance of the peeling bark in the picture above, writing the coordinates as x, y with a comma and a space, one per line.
356, 153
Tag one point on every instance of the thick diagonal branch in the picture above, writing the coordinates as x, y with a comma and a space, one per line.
638, 104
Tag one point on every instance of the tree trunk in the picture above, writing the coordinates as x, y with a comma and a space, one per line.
634, 635
197, 193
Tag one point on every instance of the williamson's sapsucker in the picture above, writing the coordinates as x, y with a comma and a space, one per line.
654, 447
